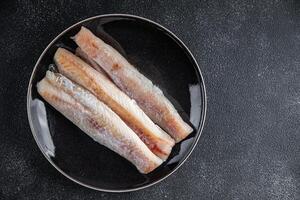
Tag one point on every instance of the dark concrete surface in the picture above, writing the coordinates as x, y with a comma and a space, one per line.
249, 52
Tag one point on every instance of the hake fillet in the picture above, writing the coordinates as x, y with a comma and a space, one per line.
159, 142
97, 120
148, 96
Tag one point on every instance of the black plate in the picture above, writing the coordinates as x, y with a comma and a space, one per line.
159, 55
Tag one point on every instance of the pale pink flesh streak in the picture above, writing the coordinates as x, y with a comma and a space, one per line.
89, 61
97, 120
149, 97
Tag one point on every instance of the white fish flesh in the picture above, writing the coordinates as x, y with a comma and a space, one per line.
148, 96
159, 142
97, 120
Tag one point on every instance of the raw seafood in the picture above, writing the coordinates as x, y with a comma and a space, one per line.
97, 120
159, 142
149, 97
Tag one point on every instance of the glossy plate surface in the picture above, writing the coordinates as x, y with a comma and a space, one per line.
161, 57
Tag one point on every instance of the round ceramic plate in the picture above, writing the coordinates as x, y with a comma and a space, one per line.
161, 57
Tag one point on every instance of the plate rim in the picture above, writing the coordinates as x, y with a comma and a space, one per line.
203, 90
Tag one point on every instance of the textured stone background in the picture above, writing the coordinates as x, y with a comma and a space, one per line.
249, 52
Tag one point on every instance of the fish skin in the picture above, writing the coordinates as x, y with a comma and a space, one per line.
159, 142
97, 120
148, 96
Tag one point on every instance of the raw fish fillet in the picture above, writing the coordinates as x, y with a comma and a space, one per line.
148, 96
97, 120
159, 142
